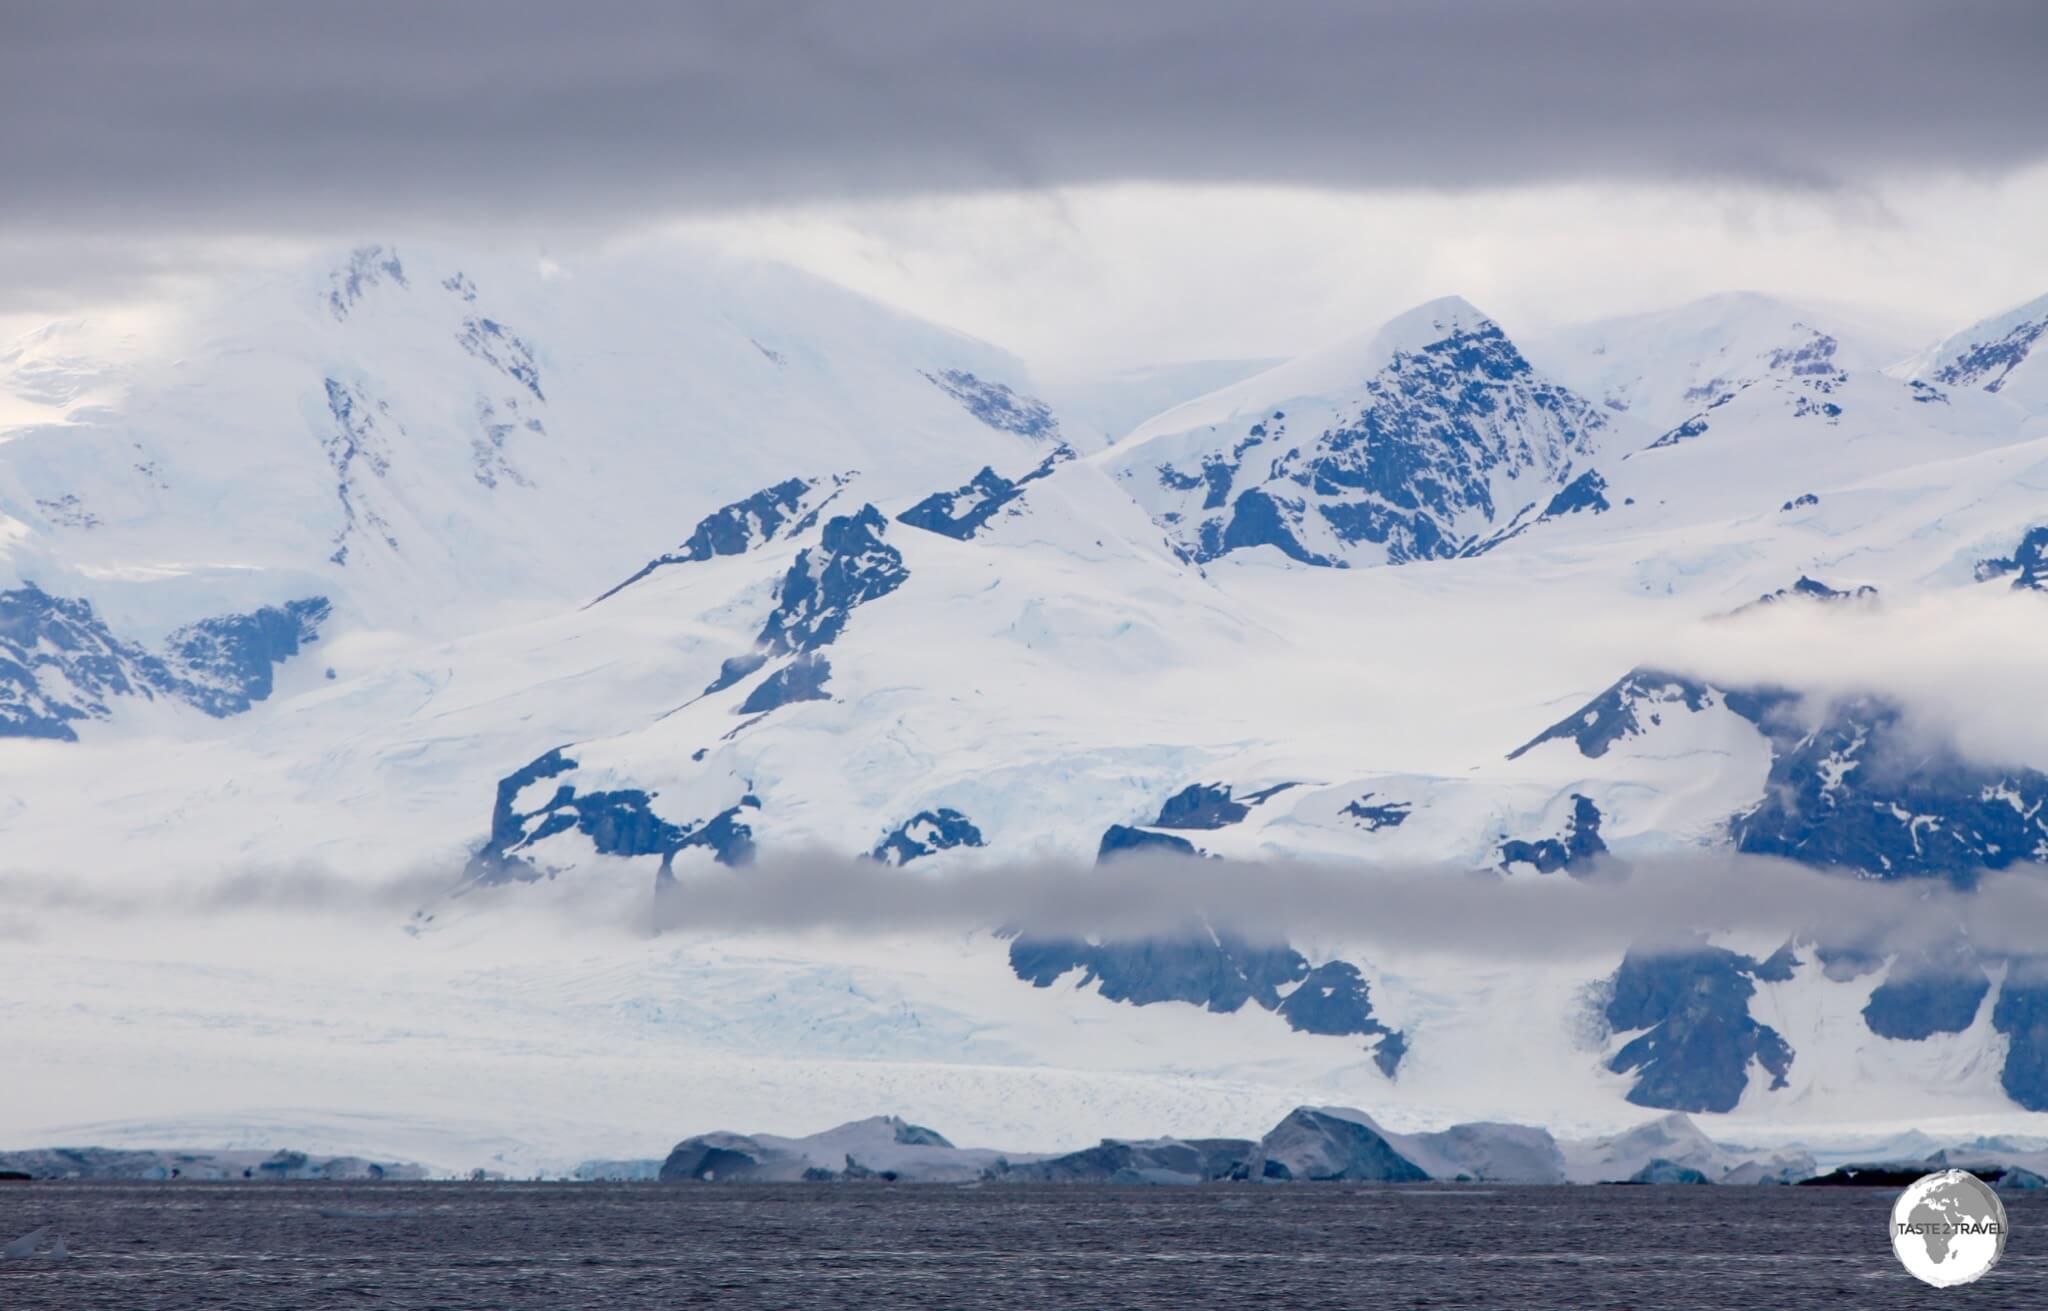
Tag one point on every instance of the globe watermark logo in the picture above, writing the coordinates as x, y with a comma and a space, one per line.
1948, 1228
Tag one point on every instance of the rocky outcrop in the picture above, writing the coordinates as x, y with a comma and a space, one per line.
773, 513
963, 512
924, 833
1695, 1041
60, 664
1450, 444
852, 565
615, 821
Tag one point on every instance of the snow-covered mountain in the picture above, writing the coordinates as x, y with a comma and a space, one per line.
1432, 438
2006, 355
567, 582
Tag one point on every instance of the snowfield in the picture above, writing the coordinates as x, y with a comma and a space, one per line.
632, 574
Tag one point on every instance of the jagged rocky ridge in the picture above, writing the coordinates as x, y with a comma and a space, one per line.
1449, 448
966, 510
851, 565
61, 664
1987, 355
786, 509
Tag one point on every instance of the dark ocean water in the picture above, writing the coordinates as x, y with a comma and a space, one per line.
621, 1247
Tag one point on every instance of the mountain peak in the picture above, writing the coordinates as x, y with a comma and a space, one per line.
1430, 322
1995, 355
1337, 370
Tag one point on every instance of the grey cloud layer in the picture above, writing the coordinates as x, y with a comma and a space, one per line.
1662, 901
263, 117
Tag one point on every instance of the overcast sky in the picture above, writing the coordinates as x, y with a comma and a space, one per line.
1087, 182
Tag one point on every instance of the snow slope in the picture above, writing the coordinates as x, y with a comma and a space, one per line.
634, 572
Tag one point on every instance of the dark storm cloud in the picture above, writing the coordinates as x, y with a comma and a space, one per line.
264, 117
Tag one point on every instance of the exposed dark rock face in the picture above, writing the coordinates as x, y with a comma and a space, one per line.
997, 406
1412, 475
1864, 792
1574, 852
368, 267
1699, 1039
1624, 710
41, 635
1587, 492
1219, 972
617, 822
1986, 364
851, 566
1333, 998
1804, 370
1696, 426
1372, 816
1860, 791
1118, 839
924, 833
1641, 700
2028, 564
1201, 806
775, 512
965, 511
502, 349
358, 449
60, 663
802, 679
227, 662
1210, 806
1928, 992
2021, 1014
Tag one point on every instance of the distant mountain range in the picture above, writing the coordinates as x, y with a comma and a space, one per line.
628, 572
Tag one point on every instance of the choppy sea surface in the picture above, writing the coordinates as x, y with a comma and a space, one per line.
624, 1246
